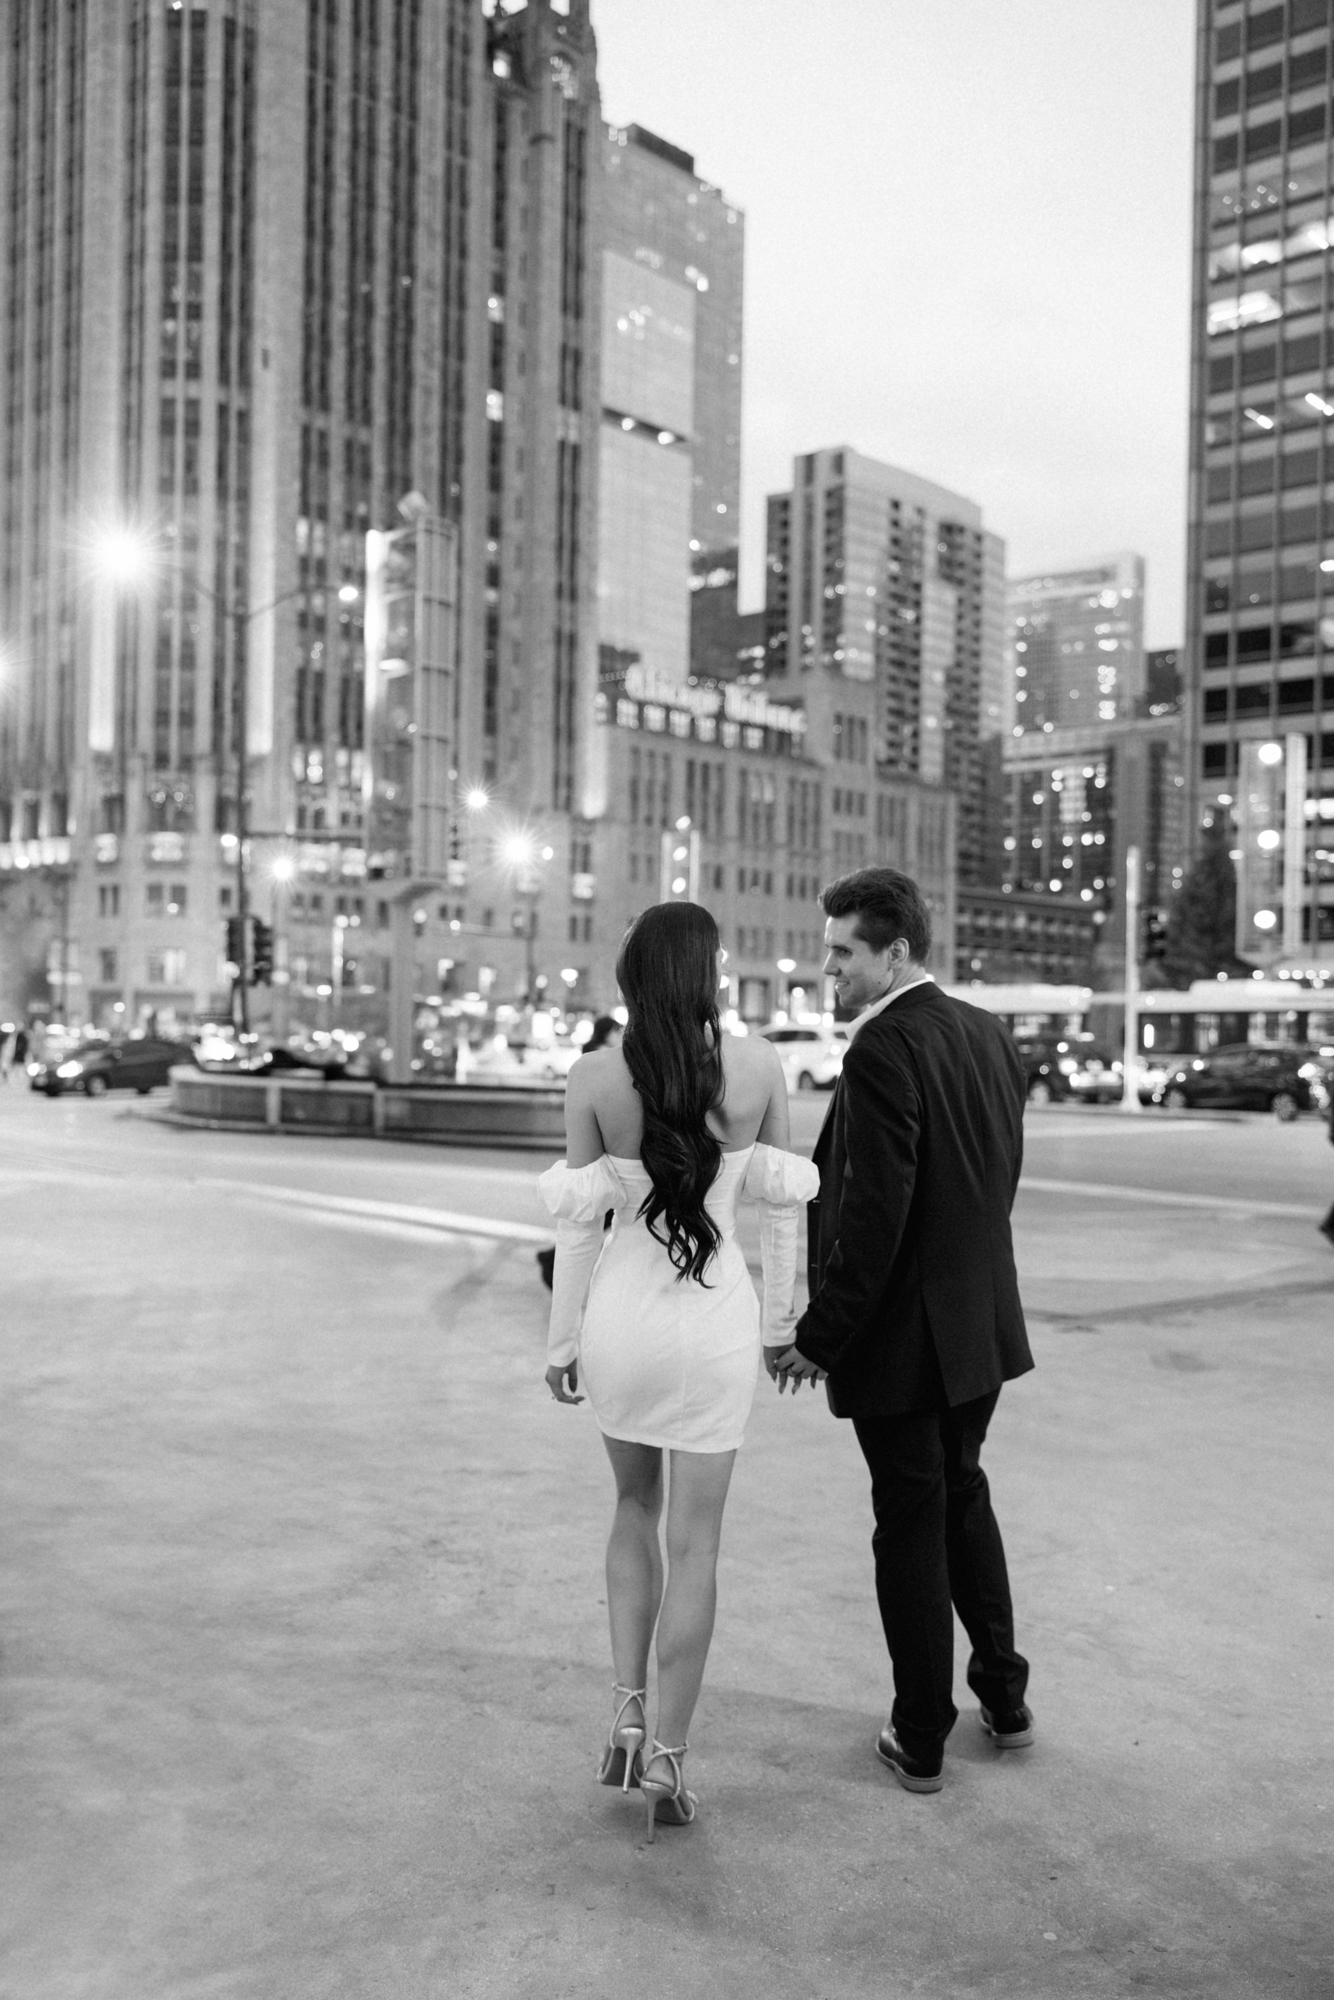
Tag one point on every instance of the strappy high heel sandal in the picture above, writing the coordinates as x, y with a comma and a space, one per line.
672, 1804
623, 1758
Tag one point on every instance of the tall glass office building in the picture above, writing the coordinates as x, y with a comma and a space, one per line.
271, 267
884, 605
1078, 640
672, 273
1260, 611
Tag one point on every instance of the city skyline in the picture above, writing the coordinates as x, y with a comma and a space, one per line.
1065, 412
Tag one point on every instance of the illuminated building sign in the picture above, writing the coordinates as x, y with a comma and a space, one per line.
634, 697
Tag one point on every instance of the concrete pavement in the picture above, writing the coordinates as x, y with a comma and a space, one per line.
305, 1659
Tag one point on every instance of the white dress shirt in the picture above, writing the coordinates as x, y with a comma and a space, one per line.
921, 978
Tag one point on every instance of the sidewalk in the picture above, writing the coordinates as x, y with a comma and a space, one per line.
307, 1667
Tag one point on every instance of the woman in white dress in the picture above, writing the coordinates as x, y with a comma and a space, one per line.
660, 1319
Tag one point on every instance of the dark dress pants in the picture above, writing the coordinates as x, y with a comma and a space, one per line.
938, 1549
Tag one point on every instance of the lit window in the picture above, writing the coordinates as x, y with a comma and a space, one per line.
1251, 309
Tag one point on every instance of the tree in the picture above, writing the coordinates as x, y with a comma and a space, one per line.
1202, 922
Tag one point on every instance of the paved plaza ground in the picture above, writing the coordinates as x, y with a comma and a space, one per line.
304, 1653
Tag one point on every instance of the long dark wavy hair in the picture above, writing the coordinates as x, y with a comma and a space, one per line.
668, 973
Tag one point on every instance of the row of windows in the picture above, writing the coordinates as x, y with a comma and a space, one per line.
1305, 69
852, 740
1248, 532
1261, 142
1251, 643
1219, 760
1261, 417
1255, 585
161, 899
1270, 25
1259, 698
1257, 475
161, 968
1301, 356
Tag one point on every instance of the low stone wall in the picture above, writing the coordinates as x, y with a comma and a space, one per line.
448, 1114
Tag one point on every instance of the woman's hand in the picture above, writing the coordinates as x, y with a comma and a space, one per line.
789, 1364
557, 1379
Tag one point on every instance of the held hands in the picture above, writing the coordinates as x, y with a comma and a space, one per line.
557, 1379
789, 1364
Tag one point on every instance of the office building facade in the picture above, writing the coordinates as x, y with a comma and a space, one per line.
715, 787
1077, 637
272, 270
1259, 654
884, 606
1006, 937
672, 278
1076, 800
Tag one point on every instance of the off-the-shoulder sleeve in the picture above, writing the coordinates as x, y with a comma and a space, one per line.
778, 1176
579, 1194
780, 1182
579, 1198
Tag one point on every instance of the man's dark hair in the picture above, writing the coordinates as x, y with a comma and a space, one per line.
887, 905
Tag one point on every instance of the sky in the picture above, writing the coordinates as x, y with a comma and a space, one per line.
967, 248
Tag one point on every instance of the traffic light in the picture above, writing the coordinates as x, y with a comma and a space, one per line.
1155, 934
235, 940
678, 880
261, 957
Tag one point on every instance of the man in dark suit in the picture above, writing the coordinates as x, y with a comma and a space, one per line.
914, 1311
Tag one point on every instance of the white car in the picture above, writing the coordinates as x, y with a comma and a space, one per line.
811, 1057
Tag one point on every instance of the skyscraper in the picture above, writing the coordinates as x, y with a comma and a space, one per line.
884, 607
1260, 601
272, 269
672, 273
1078, 639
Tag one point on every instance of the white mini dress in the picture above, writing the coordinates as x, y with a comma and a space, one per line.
664, 1361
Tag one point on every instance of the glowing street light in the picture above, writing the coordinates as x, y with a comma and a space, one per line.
124, 555
283, 868
476, 799
1270, 753
348, 593
519, 849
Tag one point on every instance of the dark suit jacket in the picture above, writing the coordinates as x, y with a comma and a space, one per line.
911, 1267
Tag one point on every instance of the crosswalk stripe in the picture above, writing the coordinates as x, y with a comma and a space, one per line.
444, 1221
1167, 1198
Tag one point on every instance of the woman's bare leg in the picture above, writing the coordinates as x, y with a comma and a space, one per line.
685, 1626
634, 1559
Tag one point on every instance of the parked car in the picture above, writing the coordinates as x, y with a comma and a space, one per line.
811, 1057
1049, 1063
139, 1064
280, 1060
1281, 1077
1154, 1070
1097, 1076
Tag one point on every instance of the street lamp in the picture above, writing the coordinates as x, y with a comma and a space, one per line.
126, 556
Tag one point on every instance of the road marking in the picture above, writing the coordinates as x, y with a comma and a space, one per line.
1130, 1128
1165, 1198
442, 1221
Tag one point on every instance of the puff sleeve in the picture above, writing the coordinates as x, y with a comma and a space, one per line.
782, 1183
579, 1198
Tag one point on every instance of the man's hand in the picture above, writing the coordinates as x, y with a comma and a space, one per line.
789, 1364
557, 1379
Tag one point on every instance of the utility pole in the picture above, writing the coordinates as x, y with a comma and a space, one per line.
1130, 1045
241, 717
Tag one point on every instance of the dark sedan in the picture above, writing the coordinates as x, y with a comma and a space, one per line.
1281, 1077
1052, 1063
139, 1064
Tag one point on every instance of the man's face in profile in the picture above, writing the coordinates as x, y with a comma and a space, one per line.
861, 975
